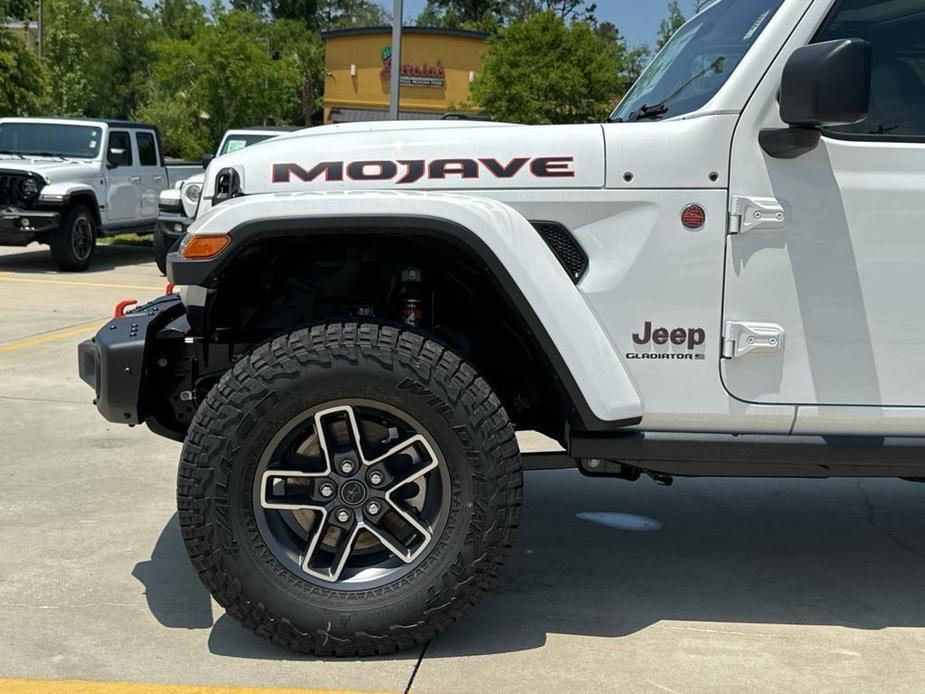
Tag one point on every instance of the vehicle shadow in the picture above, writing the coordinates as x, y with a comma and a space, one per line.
37, 259
178, 600
175, 595
847, 553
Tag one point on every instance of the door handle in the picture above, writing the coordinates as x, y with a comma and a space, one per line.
135, 179
158, 178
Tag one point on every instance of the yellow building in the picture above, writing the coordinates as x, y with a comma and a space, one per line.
438, 67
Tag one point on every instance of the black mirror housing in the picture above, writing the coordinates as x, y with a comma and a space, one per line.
207, 159
116, 158
827, 84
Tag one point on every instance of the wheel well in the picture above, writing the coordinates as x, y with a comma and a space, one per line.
89, 199
280, 284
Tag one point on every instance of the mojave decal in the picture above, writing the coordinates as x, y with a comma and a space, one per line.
404, 171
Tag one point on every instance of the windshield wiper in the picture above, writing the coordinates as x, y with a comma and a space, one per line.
47, 154
646, 112
7, 151
660, 109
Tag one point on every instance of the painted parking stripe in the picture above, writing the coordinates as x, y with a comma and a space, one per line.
22, 686
71, 331
9, 277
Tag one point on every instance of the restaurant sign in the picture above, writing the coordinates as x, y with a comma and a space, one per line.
413, 75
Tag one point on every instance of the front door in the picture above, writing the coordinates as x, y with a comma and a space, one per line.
121, 174
839, 266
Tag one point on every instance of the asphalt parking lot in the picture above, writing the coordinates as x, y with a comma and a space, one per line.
706, 586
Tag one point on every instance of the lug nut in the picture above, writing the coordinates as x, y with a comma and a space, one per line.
373, 508
375, 477
343, 515
327, 490
347, 467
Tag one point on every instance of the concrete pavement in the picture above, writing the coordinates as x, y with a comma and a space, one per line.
707, 586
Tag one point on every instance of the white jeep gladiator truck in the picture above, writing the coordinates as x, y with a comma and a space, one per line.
177, 205
723, 279
65, 182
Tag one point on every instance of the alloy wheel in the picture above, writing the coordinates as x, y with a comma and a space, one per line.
351, 494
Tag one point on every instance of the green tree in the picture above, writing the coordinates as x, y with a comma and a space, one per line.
18, 9
22, 77
573, 9
240, 70
69, 52
447, 18
304, 11
98, 53
347, 14
673, 22
125, 33
179, 19
546, 71
491, 14
472, 11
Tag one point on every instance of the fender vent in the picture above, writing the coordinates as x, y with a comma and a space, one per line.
564, 246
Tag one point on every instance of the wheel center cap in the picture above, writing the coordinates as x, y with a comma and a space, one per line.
353, 492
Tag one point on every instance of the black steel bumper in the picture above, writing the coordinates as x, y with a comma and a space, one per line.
19, 227
114, 362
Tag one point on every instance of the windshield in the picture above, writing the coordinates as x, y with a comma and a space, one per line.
233, 143
697, 61
50, 139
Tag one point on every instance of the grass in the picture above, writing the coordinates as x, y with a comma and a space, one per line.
126, 240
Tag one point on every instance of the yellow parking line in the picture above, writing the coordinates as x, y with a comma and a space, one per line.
72, 331
16, 686
8, 277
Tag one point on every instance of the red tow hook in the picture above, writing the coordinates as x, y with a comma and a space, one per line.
169, 289
119, 311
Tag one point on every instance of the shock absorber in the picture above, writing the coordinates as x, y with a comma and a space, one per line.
411, 297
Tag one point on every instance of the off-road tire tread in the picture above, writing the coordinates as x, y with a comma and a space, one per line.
160, 247
224, 411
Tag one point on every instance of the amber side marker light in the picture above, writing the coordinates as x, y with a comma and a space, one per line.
693, 217
206, 246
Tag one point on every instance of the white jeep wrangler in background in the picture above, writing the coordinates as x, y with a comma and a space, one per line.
724, 279
177, 205
66, 182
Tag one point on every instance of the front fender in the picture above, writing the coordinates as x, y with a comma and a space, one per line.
61, 193
575, 344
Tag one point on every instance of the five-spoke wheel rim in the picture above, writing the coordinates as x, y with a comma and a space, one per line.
82, 238
351, 494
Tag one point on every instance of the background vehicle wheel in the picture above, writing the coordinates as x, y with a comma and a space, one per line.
349, 489
162, 246
74, 242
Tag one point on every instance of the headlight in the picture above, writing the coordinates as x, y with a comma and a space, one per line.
28, 188
192, 192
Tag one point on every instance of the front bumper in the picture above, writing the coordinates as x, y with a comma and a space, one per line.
114, 363
173, 225
22, 226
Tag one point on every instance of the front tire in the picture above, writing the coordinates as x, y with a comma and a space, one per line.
74, 242
162, 245
349, 489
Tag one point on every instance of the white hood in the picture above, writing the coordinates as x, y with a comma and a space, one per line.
419, 155
51, 169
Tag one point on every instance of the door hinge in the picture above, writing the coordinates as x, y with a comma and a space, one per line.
749, 214
742, 338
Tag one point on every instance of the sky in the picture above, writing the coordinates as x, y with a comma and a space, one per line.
637, 19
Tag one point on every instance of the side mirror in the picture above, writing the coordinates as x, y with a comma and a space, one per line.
207, 159
116, 157
823, 85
